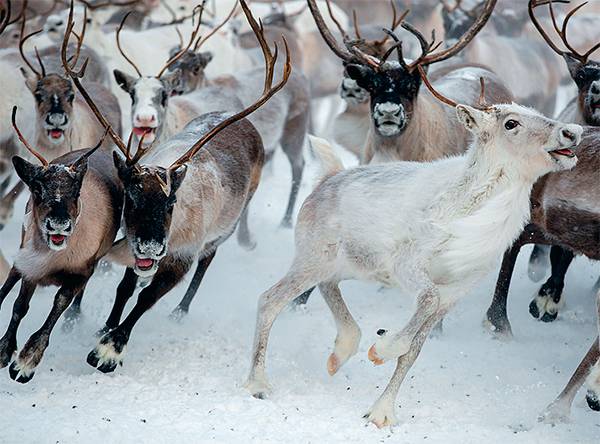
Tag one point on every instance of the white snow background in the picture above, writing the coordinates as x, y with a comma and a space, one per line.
183, 383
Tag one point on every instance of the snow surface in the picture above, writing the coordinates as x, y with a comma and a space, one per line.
184, 382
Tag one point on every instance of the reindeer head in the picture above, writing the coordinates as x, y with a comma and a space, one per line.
55, 190
393, 86
150, 196
191, 66
585, 72
54, 97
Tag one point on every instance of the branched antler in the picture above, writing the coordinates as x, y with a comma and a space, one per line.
24, 141
22, 40
560, 30
203, 40
481, 103
118, 36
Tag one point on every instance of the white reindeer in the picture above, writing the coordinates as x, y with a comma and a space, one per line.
434, 228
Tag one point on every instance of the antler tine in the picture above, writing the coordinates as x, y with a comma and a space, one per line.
75, 57
201, 41
397, 47
340, 28
563, 34
268, 92
141, 151
24, 141
39, 59
481, 101
355, 22
338, 50
5, 19
395, 23
91, 151
75, 77
465, 39
22, 41
183, 50
426, 47
118, 36
531, 6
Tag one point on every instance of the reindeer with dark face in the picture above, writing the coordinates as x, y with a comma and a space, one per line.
182, 204
407, 124
72, 219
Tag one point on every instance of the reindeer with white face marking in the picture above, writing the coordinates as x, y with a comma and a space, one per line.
407, 123
435, 228
182, 204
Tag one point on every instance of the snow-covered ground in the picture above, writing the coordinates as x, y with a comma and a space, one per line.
184, 382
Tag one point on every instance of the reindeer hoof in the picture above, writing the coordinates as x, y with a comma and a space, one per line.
373, 356
333, 364
19, 374
534, 310
7, 351
592, 400
549, 317
178, 314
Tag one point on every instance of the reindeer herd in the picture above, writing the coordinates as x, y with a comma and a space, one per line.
138, 131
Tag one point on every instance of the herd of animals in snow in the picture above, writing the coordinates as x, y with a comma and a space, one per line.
138, 132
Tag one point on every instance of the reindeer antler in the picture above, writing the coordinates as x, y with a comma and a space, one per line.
193, 37
118, 36
22, 41
481, 104
201, 41
24, 141
561, 31
268, 91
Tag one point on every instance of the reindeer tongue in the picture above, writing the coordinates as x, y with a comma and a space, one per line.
143, 263
141, 130
57, 238
55, 134
565, 152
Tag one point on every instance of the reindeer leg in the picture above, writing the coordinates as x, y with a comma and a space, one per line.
560, 408
243, 232
292, 144
8, 343
73, 313
538, 262
270, 304
548, 301
11, 280
593, 381
23, 368
348, 332
382, 412
125, 290
184, 306
111, 347
390, 346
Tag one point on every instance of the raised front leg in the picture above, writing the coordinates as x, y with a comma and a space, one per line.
549, 299
8, 343
124, 292
382, 413
348, 332
23, 368
109, 351
183, 307
11, 280
392, 346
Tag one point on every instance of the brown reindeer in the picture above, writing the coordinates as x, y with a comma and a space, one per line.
562, 202
406, 123
169, 221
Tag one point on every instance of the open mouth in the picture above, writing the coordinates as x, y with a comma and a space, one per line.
144, 264
143, 130
58, 240
55, 133
567, 152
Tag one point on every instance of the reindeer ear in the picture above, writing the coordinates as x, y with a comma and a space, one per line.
172, 81
26, 171
30, 79
80, 166
573, 65
125, 81
473, 119
205, 58
123, 169
177, 176
363, 75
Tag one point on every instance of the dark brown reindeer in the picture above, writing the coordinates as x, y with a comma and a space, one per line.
169, 221
407, 123
566, 209
72, 219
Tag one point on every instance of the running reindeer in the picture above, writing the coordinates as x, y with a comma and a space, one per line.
282, 121
406, 123
169, 221
435, 227
561, 202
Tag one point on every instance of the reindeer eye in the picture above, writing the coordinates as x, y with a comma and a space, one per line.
164, 98
511, 124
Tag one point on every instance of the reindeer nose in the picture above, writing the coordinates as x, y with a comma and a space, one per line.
571, 134
145, 119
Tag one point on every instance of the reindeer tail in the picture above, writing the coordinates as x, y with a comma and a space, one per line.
330, 163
